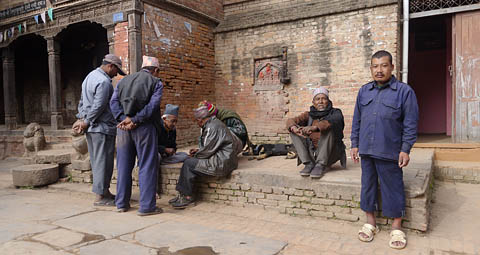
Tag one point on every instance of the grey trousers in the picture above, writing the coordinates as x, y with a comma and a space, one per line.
325, 154
101, 148
175, 158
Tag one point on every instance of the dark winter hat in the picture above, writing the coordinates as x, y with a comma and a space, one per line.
171, 109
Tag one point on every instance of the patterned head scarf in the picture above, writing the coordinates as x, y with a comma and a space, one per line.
201, 112
212, 110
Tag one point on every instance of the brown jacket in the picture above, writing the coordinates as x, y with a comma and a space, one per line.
302, 121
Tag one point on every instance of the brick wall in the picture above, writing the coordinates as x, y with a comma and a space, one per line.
332, 51
212, 8
121, 47
185, 49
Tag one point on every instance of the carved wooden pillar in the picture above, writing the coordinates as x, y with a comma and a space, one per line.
8, 59
53, 47
111, 38
135, 41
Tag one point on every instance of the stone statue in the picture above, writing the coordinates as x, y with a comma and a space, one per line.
79, 143
33, 139
81, 159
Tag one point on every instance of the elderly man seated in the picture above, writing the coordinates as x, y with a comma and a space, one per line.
216, 156
167, 137
317, 135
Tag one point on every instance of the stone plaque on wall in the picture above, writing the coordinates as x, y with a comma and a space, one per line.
267, 74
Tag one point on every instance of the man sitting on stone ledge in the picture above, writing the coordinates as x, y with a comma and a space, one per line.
216, 156
317, 135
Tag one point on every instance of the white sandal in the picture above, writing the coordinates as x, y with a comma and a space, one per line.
397, 236
369, 230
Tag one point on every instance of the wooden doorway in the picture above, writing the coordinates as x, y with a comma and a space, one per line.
466, 48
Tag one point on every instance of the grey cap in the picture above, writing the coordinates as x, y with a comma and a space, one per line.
171, 109
112, 59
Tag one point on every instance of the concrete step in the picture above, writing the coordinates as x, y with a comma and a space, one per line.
457, 171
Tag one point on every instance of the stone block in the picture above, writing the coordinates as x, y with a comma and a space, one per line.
298, 211
53, 156
321, 201
224, 191
288, 204
321, 214
277, 197
308, 193
267, 202
267, 190
245, 186
254, 194
338, 209
347, 217
239, 193
299, 199
81, 164
35, 175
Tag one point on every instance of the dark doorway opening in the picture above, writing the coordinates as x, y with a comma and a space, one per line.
430, 61
2, 102
32, 87
83, 46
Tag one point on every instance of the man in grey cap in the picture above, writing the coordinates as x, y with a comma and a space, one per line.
317, 135
96, 120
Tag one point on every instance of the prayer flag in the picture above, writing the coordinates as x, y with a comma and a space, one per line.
20, 28
36, 18
44, 19
25, 25
50, 14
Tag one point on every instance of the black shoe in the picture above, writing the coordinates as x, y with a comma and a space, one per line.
306, 170
343, 160
183, 202
157, 210
317, 171
105, 202
175, 199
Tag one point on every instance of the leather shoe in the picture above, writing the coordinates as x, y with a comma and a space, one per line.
306, 170
317, 171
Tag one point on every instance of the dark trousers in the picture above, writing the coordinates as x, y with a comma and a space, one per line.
188, 175
391, 187
326, 154
141, 142
101, 148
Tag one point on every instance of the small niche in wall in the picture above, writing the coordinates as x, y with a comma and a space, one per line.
267, 74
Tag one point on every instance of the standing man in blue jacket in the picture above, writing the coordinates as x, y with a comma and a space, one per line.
136, 106
384, 130
96, 119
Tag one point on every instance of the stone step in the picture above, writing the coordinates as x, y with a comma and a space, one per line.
59, 146
34, 175
457, 171
57, 156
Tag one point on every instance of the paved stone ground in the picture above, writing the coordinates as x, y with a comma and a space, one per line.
63, 221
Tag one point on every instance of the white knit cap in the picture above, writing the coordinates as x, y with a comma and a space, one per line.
320, 90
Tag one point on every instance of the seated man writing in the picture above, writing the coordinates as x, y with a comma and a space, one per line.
216, 156
317, 135
167, 136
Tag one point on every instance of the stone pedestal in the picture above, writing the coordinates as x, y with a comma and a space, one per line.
35, 175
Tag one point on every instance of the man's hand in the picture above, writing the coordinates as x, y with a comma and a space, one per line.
403, 159
79, 126
297, 130
192, 152
309, 130
127, 124
170, 151
354, 155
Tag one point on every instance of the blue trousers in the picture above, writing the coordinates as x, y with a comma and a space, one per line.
142, 143
391, 187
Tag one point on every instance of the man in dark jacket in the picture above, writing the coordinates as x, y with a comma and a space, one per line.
317, 135
136, 105
216, 156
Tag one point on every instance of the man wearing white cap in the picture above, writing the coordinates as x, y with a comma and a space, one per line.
317, 135
136, 106
96, 120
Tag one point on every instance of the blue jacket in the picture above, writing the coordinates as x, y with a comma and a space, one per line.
385, 120
94, 106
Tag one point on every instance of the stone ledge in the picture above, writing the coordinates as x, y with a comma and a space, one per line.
465, 172
274, 184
